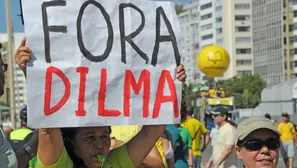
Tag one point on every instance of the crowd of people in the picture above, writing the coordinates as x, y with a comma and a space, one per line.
256, 141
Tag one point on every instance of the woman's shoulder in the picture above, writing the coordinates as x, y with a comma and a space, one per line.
119, 158
63, 161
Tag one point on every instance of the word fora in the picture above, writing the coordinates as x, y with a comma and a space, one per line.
109, 43
130, 82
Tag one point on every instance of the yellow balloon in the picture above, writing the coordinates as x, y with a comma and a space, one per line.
213, 61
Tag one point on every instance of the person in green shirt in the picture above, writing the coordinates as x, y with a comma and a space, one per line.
183, 154
80, 147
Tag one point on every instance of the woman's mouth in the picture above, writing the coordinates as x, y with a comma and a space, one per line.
265, 161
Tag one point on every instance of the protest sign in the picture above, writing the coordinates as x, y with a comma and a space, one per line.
98, 62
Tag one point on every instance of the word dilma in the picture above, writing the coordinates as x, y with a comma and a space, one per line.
144, 82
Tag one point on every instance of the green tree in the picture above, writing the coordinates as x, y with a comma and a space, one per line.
246, 90
179, 9
190, 96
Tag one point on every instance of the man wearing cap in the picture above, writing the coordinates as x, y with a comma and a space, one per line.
287, 136
223, 154
257, 143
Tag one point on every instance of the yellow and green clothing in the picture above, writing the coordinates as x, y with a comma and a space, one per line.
286, 130
196, 129
117, 158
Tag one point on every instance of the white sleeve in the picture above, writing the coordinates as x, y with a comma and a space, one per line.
7, 155
229, 136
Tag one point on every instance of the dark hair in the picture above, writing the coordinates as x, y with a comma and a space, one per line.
233, 123
68, 138
190, 110
23, 116
267, 116
183, 110
240, 143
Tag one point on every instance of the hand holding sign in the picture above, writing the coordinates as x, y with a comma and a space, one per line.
23, 55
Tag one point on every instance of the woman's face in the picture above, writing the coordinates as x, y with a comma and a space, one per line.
91, 141
263, 158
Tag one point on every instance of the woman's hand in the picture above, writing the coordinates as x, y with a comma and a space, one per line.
181, 73
23, 55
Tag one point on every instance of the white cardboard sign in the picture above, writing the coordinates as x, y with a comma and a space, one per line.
99, 62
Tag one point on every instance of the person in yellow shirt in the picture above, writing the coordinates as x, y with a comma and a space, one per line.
287, 136
156, 157
196, 129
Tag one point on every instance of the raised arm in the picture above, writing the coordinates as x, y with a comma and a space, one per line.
50, 146
144, 140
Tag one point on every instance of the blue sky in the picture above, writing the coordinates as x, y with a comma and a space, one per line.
15, 10
16, 20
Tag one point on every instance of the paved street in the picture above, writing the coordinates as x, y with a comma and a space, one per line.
207, 153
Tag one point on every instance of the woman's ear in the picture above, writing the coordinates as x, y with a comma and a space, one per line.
238, 152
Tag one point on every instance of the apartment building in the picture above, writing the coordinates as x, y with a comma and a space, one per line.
189, 24
224, 23
237, 33
19, 79
273, 40
294, 27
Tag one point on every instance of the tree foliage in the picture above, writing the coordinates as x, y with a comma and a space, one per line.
189, 95
246, 89
179, 9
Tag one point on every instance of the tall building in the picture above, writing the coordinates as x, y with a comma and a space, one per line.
273, 40
237, 36
294, 6
189, 24
224, 23
19, 79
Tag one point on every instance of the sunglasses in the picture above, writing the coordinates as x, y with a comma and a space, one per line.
257, 144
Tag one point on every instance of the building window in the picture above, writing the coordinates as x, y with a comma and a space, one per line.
206, 6
209, 36
242, 6
206, 27
244, 51
295, 39
243, 73
219, 19
218, 8
290, 28
207, 16
243, 40
295, 13
242, 28
243, 62
219, 30
242, 17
